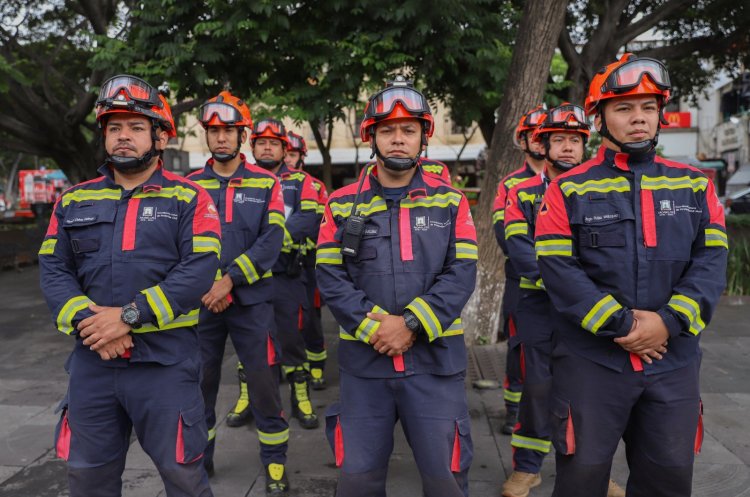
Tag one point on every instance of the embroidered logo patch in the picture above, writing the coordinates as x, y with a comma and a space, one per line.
421, 223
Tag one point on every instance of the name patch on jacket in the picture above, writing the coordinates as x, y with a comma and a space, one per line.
79, 220
601, 218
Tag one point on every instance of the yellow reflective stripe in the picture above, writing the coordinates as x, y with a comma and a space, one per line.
159, 305
309, 205
208, 184
294, 176
514, 181
368, 326
432, 168
514, 229
466, 251
329, 255
179, 192
538, 444
511, 396
666, 183
714, 238
530, 284
527, 197
80, 195
429, 321
48, 246
218, 275
276, 218
267, 274
206, 244
277, 438
316, 356
596, 185
346, 336
600, 313
560, 247
690, 309
456, 328
248, 268
181, 321
68, 312
255, 183
377, 204
437, 200
498, 216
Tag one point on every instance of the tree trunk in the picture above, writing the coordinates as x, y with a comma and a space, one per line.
536, 39
325, 152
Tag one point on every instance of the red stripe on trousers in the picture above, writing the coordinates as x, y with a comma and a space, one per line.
128, 231
398, 363
270, 352
338, 437
456, 456
635, 361
63, 439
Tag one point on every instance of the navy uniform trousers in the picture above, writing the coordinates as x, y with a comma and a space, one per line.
513, 383
312, 328
433, 413
289, 303
105, 403
251, 329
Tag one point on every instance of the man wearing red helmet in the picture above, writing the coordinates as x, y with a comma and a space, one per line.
312, 328
632, 249
396, 263
269, 140
239, 305
124, 264
533, 166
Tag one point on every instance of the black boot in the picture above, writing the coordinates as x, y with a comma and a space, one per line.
511, 418
301, 406
241, 414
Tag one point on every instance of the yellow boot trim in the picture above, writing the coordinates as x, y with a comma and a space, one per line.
276, 471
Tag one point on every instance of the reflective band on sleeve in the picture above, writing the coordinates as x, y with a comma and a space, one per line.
600, 313
429, 321
346, 336
309, 205
666, 183
211, 434
538, 444
456, 328
276, 218
714, 238
596, 185
159, 305
48, 247
248, 268
498, 216
527, 197
181, 321
690, 309
278, 438
529, 284
562, 247
466, 251
329, 255
516, 229
68, 313
368, 326
206, 244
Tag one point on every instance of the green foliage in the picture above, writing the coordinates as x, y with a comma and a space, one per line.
738, 267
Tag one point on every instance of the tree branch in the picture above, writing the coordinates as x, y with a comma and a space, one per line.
714, 44
631, 31
568, 49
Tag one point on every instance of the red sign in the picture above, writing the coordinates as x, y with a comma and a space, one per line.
678, 119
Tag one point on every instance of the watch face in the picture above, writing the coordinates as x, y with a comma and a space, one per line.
130, 316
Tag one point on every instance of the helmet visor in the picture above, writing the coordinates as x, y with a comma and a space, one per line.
383, 103
534, 117
295, 143
120, 90
629, 75
274, 126
564, 113
225, 113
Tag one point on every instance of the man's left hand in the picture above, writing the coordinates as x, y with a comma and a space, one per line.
392, 336
649, 338
218, 291
103, 327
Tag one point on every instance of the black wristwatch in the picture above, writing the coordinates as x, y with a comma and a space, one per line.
131, 316
412, 322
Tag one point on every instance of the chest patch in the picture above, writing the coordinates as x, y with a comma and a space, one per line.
601, 218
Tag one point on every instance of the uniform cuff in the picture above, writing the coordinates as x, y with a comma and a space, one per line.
674, 326
144, 309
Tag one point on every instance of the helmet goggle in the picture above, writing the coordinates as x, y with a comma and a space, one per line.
383, 103
562, 116
534, 117
224, 112
120, 91
272, 125
295, 143
629, 75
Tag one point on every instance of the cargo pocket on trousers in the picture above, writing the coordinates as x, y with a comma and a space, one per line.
335, 433
699, 429
192, 435
62, 431
463, 448
561, 427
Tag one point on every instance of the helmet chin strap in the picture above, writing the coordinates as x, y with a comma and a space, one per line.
633, 148
396, 163
534, 155
269, 163
561, 166
133, 165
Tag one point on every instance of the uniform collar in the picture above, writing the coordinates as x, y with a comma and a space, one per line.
415, 189
153, 183
284, 171
623, 161
237, 174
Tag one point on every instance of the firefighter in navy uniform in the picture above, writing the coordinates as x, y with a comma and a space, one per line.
396, 263
533, 166
312, 327
123, 266
632, 249
301, 210
239, 304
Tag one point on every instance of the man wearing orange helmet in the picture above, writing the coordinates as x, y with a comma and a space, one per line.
533, 166
632, 249
123, 266
251, 210
396, 263
312, 328
270, 141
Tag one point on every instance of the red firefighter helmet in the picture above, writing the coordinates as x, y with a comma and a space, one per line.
129, 94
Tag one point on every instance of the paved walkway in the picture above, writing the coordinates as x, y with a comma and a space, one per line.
32, 381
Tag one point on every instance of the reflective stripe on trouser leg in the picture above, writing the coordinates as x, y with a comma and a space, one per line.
288, 296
